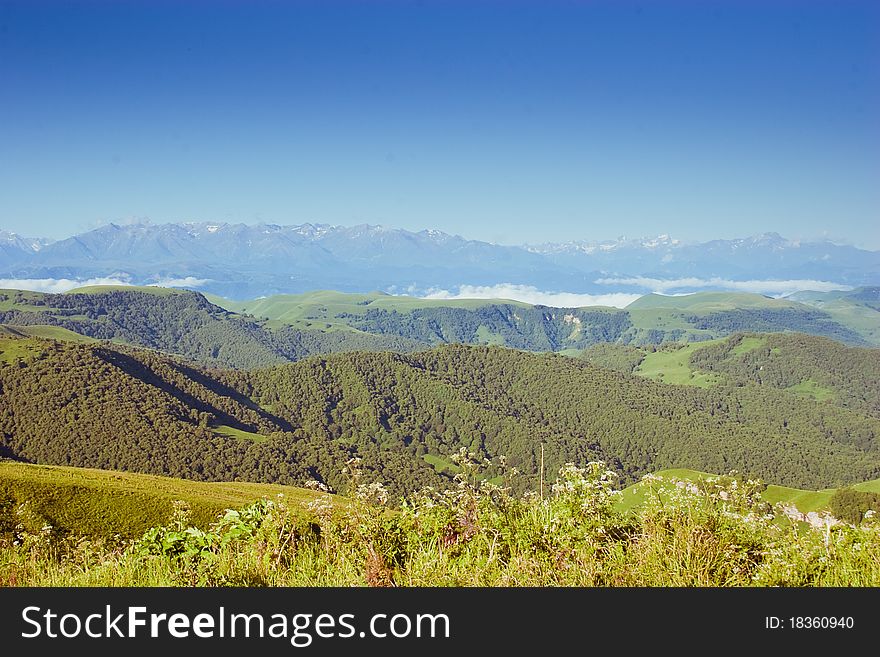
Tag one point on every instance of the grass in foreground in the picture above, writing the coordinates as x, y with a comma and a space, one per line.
805, 501
712, 532
102, 503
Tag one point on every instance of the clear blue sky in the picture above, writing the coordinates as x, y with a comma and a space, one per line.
503, 121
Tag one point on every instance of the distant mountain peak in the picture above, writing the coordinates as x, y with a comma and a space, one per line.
27, 244
248, 260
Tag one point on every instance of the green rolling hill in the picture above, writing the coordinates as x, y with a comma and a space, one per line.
322, 309
858, 309
177, 322
103, 503
709, 301
649, 320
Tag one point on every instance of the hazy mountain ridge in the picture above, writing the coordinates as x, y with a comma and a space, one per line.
240, 261
768, 255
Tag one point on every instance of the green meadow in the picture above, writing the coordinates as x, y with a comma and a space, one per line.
673, 366
104, 503
319, 310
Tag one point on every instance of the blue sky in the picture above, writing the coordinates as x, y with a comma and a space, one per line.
504, 121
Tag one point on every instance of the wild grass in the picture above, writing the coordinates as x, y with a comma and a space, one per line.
92, 503
716, 532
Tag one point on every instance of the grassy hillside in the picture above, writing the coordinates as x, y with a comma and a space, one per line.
715, 314
672, 365
656, 325
709, 301
859, 309
102, 503
91, 502
811, 367
434, 321
805, 500
651, 319
50, 333
144, 289
472, 535
287, 328
14, 347
321, 309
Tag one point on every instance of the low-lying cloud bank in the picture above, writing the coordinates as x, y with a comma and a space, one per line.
676, 286
56, 285
188, 281
59, 285
532, 295
684, 285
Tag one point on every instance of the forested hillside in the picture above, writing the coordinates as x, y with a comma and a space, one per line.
406, 416
651, 319
534, 328
182, 323
285, 329
805, 364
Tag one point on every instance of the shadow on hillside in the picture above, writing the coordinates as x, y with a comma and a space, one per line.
143, 372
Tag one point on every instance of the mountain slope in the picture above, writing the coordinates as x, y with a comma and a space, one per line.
813, 367
804, 500
281, 329
407, 415
717, 314
858, 309
809, 365
649, 320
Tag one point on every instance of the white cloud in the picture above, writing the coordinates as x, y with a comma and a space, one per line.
56, 285
532, 295
59, 285
769, 287
188, 281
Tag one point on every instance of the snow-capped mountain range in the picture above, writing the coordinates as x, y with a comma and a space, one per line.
242, 260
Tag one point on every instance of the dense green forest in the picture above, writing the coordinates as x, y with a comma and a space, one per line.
846, 376
540, 328
406, 415
816, 322
535, 328
618, 357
